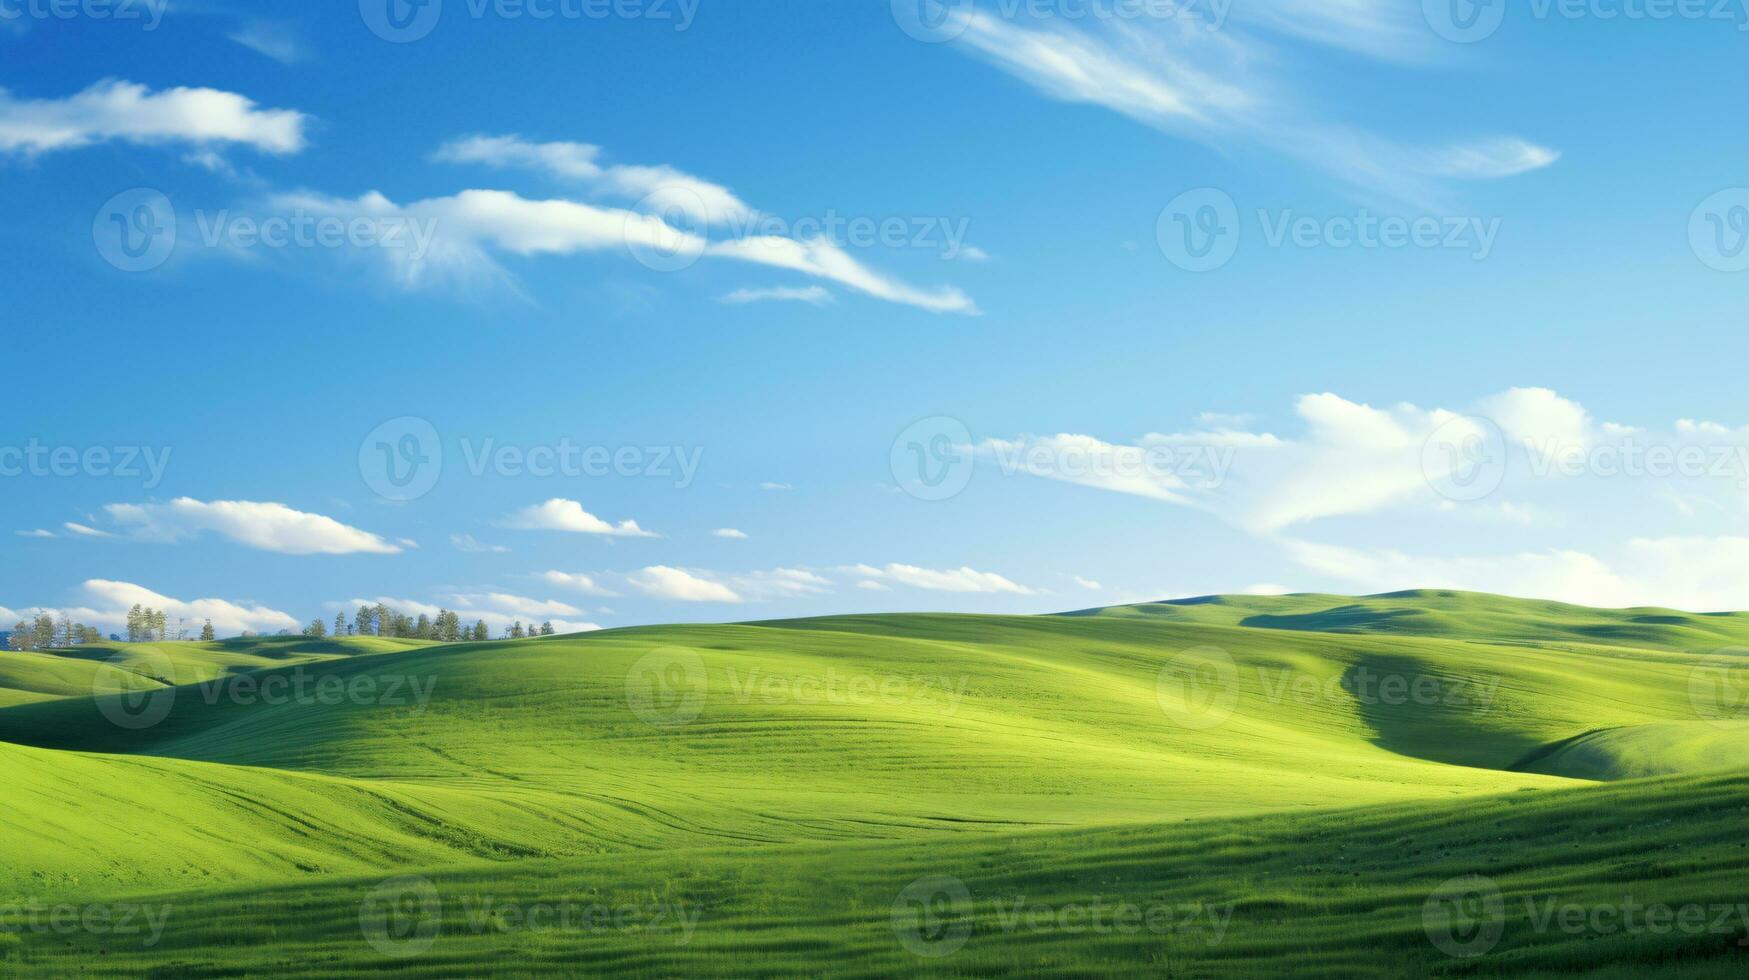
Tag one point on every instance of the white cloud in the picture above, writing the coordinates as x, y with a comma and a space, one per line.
38, 533
944, 580
1178, 76
497, 610
464, 229
1694, 573
129, 112
1087, 583
775, 486
266, 526
278, 40
661, 187
469, 544
972, 253
663, 582
513, 604
812, 295
109, 602
577, 581
559, 514
84, 531
730, 533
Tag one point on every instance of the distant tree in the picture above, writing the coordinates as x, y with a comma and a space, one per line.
339, 624
422, 629
22, 635
480, 631
546, 628
43, 632
206, 632
515, 632
89, 634
317, 628
361, 623
136, 624
65, 634
385, 619
158, 627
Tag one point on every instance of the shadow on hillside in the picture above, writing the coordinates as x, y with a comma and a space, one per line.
1453, 718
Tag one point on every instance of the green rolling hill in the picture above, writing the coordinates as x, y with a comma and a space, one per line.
1320, 764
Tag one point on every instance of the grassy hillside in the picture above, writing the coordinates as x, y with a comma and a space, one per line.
283, 776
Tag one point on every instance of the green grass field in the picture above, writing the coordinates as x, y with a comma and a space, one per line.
1401, 785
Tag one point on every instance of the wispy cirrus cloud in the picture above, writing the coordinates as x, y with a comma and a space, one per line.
457, 239
1178, 75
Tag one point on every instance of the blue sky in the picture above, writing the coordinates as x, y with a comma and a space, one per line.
1456, 313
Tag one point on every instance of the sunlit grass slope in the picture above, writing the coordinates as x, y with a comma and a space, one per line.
1330, 894
283, 766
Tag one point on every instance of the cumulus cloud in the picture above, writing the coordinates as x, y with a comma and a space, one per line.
577, 581
105, 603
730, 533
84, 531
265, 526
559, 514
940, 580
128, 112
498, 610
663, 582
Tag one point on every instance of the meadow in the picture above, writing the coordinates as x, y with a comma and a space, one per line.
1403, 785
